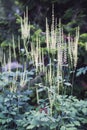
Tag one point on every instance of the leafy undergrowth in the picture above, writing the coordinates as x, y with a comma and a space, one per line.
17, 113
19, 110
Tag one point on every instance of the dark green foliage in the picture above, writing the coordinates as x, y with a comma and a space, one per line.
16, 113
12, 107
83, 37
19, 110
72, 13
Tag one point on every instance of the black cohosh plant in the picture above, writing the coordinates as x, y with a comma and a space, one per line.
62, 56
40, 90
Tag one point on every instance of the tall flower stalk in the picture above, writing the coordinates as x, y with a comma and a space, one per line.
25, 30
14, 47
75, 54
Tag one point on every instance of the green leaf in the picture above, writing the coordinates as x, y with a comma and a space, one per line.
2, 116
1, 99
3, 122
63, 128
13, 113
26, 124
25, 98
45, 119
72, 128
77, 123
70, 125
84, 121
30, 127
35, 122
9, 120
84, 110
53, 125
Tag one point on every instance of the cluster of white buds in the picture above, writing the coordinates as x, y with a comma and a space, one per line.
25, 26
